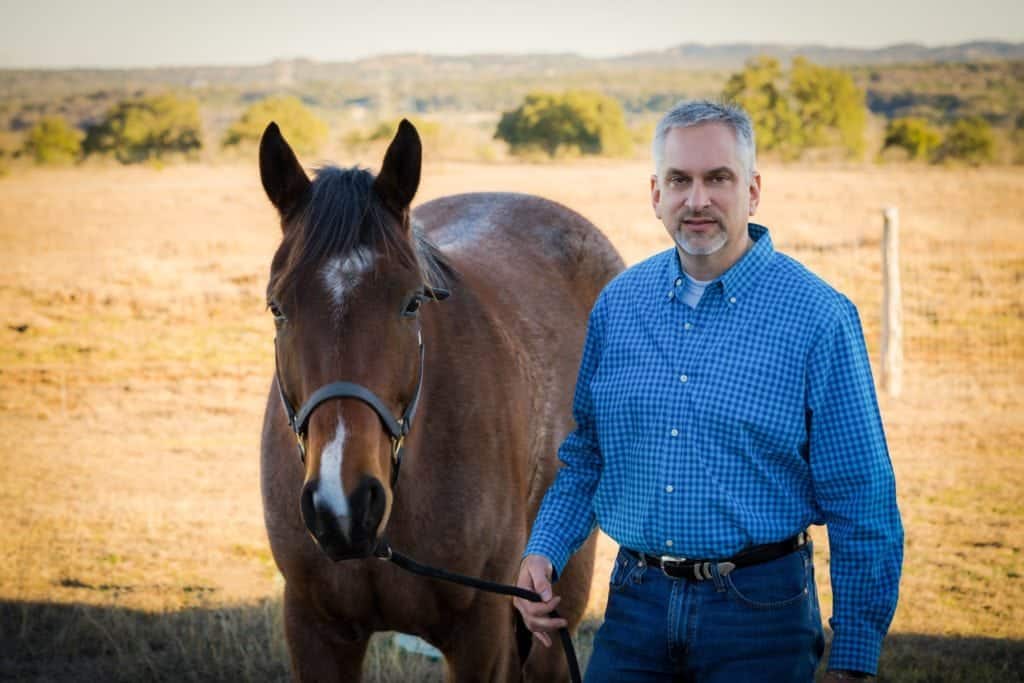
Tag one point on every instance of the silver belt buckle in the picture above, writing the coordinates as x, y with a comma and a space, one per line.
670, 559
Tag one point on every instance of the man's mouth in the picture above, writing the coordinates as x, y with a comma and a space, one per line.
700, 224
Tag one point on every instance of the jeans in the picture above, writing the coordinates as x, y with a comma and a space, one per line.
758, 623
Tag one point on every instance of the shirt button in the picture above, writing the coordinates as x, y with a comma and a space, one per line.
684, 379
669, 543
732, 299
674, 432
688, 326
671, 294
679, 281
669, 489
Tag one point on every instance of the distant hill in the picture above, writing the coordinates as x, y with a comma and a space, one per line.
938, 83
697, 56
402, 68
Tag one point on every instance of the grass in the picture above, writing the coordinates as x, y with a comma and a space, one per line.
135, 358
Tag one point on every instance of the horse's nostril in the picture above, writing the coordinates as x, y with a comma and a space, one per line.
309, 517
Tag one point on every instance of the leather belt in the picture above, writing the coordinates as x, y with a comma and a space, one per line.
700, 570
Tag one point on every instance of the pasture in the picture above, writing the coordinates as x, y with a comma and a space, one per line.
136, 356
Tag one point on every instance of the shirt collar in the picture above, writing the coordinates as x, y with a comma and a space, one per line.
740, 276
745, 272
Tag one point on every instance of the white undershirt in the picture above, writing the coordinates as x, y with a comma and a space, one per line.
693, 290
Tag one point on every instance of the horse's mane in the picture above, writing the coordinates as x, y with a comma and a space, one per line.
343, 214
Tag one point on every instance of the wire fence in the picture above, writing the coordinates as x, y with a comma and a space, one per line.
962, 311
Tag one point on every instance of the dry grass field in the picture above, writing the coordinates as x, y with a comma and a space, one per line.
135, 355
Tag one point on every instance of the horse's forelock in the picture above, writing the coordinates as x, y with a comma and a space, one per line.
343, 214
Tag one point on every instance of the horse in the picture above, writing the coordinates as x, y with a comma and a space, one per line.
482, 381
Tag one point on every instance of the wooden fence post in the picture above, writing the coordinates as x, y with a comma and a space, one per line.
892, 311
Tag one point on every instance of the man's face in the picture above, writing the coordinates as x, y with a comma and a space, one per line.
704, 195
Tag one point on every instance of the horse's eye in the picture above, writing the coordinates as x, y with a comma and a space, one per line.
275, 311
412, 306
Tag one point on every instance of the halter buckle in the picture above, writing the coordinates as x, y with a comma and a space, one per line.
396, 447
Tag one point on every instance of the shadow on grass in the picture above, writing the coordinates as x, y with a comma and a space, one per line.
59, 642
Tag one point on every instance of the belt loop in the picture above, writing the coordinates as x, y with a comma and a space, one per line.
716, 576
641, 567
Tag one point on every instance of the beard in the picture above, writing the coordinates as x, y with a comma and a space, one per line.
700, 244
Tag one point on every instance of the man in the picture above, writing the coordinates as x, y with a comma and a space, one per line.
724, 404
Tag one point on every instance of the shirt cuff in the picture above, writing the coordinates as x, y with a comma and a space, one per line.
856, 650
541, 544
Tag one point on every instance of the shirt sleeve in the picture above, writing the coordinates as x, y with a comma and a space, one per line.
855, 490
566, 514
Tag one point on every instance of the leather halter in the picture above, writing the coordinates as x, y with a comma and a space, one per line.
397, 428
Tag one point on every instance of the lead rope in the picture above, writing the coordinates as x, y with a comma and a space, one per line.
385, 552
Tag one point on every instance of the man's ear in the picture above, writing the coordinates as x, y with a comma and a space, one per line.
755, 192
656, 195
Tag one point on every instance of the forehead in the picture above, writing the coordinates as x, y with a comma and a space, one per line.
700, 148
340, 275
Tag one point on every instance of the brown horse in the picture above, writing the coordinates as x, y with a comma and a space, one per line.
483, 382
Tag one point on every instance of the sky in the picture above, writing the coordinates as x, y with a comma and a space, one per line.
116, 33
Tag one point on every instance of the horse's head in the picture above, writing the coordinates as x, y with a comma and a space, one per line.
345, 289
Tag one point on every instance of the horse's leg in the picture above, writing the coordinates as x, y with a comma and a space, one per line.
548, 663
484, 647
318, 652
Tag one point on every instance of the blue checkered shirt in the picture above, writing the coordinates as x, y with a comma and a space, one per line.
700, 432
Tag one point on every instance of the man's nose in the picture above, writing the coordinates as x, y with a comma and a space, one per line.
698, 197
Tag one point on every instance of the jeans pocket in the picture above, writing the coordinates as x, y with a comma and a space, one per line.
772, 585
624, 571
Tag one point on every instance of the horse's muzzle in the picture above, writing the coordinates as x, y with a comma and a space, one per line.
350, 536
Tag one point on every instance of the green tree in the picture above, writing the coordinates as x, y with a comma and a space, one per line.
829, 105
971, 140
53, 141
148, 128
913, 134
583, 121
759, 90
304, 130
816, 107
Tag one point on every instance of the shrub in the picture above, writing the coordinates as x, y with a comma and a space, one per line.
53, 141
969, 140
148, 128
574, 121
914, 135
305, 131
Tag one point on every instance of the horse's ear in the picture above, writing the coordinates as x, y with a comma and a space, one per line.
283, 178
399, 176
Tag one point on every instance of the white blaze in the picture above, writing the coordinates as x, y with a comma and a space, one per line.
342, 275
329, 492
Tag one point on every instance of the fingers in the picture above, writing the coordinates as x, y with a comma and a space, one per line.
540, 574
535, 575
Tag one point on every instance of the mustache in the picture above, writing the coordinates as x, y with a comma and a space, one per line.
701, 215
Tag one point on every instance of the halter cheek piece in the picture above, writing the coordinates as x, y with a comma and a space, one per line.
397, 428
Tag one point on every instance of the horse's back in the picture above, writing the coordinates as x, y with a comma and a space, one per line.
531, 242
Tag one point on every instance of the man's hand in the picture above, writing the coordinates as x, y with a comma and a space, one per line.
535, 575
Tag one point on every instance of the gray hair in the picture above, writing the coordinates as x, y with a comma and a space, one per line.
694, 112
